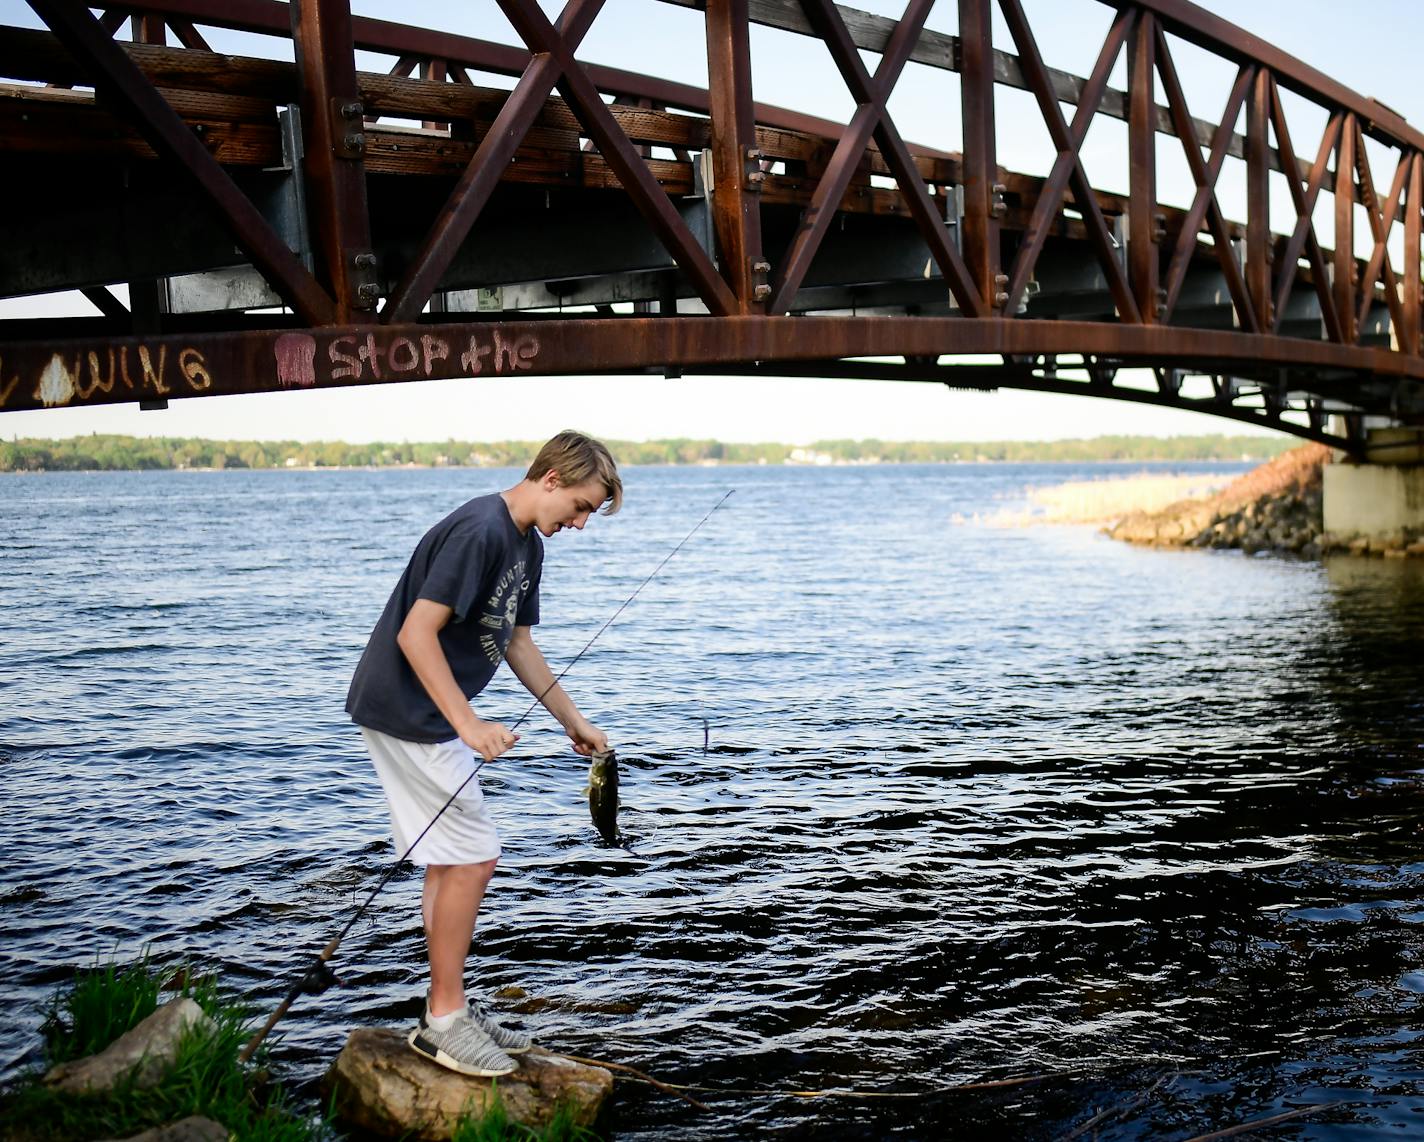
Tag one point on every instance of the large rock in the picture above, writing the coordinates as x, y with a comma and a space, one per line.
381, 1085
148, 1051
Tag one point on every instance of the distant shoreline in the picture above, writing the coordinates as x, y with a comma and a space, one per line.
626, 465
127, 453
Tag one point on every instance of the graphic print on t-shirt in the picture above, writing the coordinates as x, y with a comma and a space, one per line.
500, 610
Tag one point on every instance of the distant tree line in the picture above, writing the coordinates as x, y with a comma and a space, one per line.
126, 453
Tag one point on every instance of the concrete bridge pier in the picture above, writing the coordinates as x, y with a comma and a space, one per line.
1382, 499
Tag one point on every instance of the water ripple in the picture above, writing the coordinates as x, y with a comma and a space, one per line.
975, 802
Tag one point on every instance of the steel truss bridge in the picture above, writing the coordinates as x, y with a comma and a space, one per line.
305, 224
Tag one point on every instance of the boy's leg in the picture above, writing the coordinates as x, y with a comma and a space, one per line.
427, 895
451, 904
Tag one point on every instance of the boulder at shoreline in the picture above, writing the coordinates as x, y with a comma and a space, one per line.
1278, 507
147, 1051
382, 1086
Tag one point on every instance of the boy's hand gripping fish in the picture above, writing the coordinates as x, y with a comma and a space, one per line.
603, 794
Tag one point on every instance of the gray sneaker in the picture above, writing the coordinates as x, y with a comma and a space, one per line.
505, 1038
465, 1047
508, 1040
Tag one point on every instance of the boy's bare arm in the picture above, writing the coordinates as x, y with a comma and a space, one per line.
527, 662
419, 640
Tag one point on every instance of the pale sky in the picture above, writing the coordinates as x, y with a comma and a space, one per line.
1373, 48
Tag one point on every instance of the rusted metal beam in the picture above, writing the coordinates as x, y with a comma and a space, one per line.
1252, 295
1258, 199
108, 370
983, 200
1344, 263
1142, 229
434, 70
1032, 378
145, 304
736, 162
188, 35
334, 141
483, 172
147, 28
1412, 268
1221, 37
120, 80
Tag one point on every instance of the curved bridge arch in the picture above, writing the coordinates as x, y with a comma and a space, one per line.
545, 229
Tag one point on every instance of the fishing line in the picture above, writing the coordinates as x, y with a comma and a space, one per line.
317, 978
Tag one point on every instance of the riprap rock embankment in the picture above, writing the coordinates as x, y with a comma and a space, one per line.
1277, 507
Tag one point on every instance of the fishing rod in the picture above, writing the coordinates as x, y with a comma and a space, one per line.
317, 978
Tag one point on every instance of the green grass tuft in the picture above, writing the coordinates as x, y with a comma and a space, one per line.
103, 1003
206, 1078
495, 1125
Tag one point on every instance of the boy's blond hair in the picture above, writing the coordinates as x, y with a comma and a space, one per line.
578, 458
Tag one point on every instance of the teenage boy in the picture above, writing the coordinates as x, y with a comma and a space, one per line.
466, 602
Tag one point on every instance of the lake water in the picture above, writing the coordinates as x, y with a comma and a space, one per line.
978, 802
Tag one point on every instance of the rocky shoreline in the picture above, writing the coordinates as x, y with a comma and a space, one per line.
174, 1075
1276, 508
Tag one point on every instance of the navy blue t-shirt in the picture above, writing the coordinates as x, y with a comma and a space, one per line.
477, 563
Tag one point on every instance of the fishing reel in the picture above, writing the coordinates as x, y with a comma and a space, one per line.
318, 979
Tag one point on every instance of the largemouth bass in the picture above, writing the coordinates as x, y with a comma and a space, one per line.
603, 794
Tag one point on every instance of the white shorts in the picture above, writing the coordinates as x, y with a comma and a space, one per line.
418, 779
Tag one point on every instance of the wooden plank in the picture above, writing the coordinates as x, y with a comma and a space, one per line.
83, 129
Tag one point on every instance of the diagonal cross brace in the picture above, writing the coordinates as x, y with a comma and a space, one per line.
119, 78
1036, 74
1204, 203
1303, 235
618, 151
484, 170
1381, 216
871, 95
1050, 199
